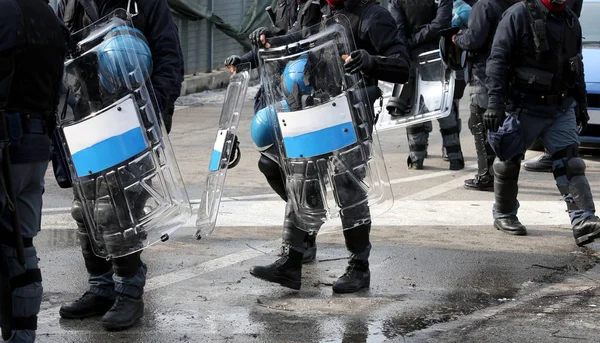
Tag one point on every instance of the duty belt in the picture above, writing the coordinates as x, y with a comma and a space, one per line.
26, 122
548, 100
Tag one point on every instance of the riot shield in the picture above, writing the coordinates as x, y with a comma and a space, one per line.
323, 128
123, 167
426, 96
224, 151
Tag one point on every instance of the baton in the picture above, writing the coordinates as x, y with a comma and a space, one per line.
11, 198
271, 15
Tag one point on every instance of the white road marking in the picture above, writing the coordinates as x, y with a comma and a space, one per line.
406, 212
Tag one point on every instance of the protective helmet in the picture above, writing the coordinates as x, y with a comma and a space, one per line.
294, 74
261, 128
124, 59
460, 14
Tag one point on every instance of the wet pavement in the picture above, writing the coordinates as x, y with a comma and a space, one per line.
440, 272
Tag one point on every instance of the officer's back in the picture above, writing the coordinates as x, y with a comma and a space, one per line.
32, 48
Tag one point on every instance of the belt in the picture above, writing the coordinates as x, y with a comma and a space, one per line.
549, 100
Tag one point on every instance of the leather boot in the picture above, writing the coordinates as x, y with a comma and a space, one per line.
457, 164
286, 271
89, 305
543, 165
587, 231
510, 225
124, 312
416, 165
480, 183
356, 277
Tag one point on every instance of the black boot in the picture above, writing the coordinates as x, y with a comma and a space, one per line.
417, 165
587, 231
480, 183
311, 248
356, 277
286, 271
124, 312
457, 164
543, 165
88, 305
510, 225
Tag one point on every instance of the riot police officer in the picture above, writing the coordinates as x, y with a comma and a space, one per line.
116, 286
381, 55
33, 45
288, 14
422, 22
535, 78
477, 40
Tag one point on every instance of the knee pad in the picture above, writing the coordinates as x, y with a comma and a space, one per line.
77, 212
26, 286
506, 170
268, 167
575, 167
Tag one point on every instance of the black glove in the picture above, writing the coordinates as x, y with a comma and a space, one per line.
255, 36
360, 60
233, 60
582, 118
168, 117
493, 118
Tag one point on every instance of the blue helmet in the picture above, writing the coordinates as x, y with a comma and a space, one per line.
124, 55
294, 74
460, 14
261, 129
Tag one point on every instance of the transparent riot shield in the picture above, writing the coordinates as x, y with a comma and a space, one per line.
323, 124
224, 152
128, 190
426, 96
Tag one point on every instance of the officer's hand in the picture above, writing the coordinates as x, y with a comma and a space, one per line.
493, 118
359, 60
582, 119
259, 36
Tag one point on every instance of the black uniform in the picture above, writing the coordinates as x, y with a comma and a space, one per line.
535, 74
155, 21
32, 48
422, 22
477, 40
382, 55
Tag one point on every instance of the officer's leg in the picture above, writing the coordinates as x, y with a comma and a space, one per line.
272, 173
418, 137
286, 271
451, 140
562, 141
24, 280
100, 296
484, 179
505, 191
356, 222
274, 176
129, 273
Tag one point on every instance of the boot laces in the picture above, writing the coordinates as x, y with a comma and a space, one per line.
119, 303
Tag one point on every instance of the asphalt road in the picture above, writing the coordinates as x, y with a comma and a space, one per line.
436, 257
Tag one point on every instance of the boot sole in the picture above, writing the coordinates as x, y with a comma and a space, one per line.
481, 189
121, 326
587, 239
514, 233
68, 315
351, 290
285, 282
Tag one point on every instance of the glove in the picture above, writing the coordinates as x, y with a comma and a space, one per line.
359, 60
582, 118
233, 60
256, 34
493, 118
